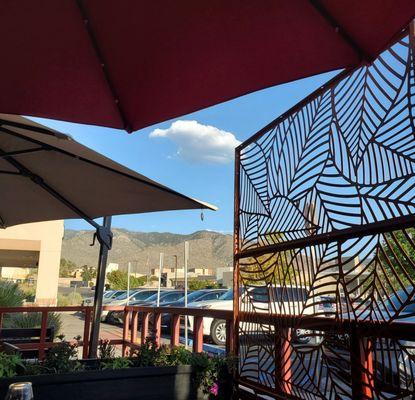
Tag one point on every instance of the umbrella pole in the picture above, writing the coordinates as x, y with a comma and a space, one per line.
99, 288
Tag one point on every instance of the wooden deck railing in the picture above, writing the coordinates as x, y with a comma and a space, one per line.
362, 336
130, 326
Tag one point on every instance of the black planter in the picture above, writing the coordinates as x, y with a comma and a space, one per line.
158, 383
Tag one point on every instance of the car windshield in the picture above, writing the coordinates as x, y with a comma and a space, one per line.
123, 296
143, 295
227, 295
395, 302
163, 295
108, 294
193, 296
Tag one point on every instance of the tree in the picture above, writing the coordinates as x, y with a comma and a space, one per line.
196, 284
274, 268
67, 268
118, 280
88, 273
397, 257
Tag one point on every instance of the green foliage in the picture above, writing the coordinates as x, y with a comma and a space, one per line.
9, 364
72, 299
88, 273
29, 292
118, 280
196, 284
10, 294
64, 357
67, 268
273, 268
397, 257
212, 374
105, 349
117, 363
32, 320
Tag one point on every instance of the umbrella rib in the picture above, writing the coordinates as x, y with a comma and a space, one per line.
36, 179
29, 127
361, 53
103, 65
51, 147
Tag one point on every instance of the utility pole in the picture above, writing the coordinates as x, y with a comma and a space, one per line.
175, 272
186, 259
160, 272
128, 281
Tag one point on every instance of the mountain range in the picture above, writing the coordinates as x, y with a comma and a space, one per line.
207, 249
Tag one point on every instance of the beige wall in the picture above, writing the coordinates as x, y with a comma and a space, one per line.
45, 237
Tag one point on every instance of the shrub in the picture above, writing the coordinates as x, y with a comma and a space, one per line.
196, 284
118, 280
32, 320
117, 363
63, 300
63, 357
9, 364
10, 294
72, 299
105, 349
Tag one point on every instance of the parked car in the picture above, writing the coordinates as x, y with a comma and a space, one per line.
166, 296
258, 299
394, 361
108, 296
194, 297
127, 298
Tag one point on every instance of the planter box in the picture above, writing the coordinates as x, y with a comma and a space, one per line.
150, 383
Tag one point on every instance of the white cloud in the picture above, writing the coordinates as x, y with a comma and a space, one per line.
199, 143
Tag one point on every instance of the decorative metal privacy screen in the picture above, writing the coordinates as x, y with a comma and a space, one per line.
325, 240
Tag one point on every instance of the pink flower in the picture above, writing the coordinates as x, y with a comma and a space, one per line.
214, 389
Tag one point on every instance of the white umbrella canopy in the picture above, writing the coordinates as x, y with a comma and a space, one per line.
46, 175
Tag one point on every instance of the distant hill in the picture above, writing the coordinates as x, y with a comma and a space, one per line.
208, 249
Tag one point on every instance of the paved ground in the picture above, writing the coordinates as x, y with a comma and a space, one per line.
73, 325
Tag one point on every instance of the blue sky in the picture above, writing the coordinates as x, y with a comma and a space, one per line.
179, 163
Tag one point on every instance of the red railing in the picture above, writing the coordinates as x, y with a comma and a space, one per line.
130, 326
363, 335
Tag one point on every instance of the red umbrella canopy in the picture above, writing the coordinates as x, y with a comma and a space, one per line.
129, 64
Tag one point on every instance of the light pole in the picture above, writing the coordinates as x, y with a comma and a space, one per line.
175, 272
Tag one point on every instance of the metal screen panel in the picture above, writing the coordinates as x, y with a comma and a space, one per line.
325, 240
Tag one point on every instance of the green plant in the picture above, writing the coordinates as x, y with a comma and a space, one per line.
10, 294
67, 268
118, 280
147, 354
32, 320
63, 300
197, 284
88, 273
9, 364
117, 363
105, 349
63, 357
29, 292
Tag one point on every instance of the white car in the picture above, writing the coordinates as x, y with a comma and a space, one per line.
259, 299
107, 297
124, 299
